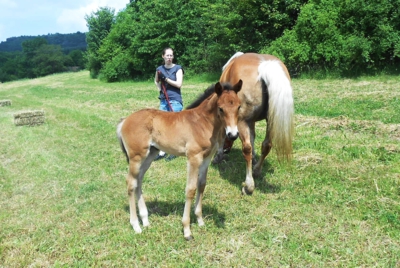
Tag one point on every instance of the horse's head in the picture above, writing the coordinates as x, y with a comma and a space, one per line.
228, 107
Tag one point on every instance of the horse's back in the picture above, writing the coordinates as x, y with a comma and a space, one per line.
245, 67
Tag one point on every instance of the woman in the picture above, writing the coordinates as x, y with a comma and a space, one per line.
168, 79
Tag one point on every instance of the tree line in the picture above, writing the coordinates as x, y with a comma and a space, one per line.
346, 37
343, 37
68, 42
35, 56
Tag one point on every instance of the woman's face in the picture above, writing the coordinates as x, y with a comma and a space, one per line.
168, 56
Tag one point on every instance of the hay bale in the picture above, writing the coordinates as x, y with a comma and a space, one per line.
5, 103
30, 118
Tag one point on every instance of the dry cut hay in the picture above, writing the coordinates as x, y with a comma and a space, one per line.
5, 103
30, 118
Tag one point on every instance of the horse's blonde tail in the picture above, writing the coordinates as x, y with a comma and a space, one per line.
121, 141
280, 106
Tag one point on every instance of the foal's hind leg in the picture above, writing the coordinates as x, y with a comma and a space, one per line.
265, 149
132, 185
144, 215
134, 180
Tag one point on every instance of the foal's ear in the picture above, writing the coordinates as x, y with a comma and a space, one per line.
238, 86
218, 89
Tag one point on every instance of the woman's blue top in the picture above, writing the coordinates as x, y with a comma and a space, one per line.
174, 93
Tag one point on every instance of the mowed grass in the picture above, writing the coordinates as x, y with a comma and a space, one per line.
63, 198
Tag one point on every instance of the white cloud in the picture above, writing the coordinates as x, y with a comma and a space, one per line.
72, 20
40, 17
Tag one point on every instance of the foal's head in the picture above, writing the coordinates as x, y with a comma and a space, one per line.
228, 107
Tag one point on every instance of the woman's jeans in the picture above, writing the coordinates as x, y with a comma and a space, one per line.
176, 105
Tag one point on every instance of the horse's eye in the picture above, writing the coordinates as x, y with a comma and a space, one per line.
220, 109
239, 107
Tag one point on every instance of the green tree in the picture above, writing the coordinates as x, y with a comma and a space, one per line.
29, 49
48, 59
350, 37
99, 24
77, 58
11, 67
203, 33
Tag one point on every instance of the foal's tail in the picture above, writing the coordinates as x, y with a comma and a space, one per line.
280, 106
119, 136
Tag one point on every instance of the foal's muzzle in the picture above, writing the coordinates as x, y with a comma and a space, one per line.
232, 136
232, 133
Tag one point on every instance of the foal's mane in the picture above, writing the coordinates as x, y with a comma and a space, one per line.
206, 94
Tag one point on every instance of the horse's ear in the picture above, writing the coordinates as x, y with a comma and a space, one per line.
218, 89
238, 86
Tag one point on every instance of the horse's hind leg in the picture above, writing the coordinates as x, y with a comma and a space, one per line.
252, 128
265, 149
219, 156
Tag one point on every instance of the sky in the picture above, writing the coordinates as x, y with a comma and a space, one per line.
42, 17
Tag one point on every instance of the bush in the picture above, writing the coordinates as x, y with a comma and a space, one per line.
352, 37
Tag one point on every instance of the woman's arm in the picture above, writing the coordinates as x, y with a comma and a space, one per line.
179, 79
158, 83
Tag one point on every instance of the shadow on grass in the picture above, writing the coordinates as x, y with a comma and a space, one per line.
165, 209
233, 169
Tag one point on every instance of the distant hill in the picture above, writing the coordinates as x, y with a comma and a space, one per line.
68, 42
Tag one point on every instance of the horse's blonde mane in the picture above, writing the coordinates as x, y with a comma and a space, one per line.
237, 54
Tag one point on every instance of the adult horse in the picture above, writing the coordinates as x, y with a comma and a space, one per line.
196, 133
266, 94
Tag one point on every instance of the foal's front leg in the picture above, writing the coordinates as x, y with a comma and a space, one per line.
201, 185
191, 185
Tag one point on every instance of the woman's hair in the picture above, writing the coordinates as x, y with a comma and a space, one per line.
165, 49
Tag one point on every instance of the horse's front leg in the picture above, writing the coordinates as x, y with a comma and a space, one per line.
245, 137
219, 156
191, 185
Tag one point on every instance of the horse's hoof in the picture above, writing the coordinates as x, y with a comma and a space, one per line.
247, 191
218, 159
189, 238
256, 173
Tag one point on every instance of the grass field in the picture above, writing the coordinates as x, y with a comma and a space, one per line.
63, 199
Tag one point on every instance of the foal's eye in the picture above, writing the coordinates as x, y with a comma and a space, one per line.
239, 108
220, 109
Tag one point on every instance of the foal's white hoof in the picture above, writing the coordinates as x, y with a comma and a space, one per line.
200, 222
136, 227
146, 223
